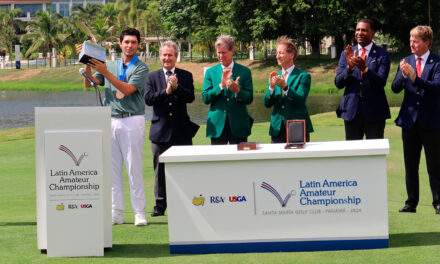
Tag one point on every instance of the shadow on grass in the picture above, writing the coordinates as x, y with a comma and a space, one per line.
414, 239
138, 251
18, 224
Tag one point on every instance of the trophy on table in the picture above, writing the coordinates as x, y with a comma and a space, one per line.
296, 134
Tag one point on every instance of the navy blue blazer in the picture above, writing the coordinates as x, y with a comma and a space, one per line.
422, 98
170, 120
374, 101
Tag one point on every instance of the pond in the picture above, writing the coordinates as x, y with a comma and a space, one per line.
17, 108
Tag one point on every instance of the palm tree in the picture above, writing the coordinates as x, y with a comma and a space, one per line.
110, 14
43, 32
131, 9
101, 31
9, 27
88, 12
70, 35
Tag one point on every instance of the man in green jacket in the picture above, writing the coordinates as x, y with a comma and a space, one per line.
287, 92
227, 88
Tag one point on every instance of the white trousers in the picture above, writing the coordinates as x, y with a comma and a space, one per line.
127, 146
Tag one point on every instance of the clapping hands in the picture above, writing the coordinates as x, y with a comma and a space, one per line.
407, 70
274, 80
231, 84
172, 84
353, 59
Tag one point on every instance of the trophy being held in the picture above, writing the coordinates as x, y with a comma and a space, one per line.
90, 50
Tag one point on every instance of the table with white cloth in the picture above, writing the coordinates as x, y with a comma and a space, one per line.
325, 196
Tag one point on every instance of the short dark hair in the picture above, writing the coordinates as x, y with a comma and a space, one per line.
370, 22
130, 32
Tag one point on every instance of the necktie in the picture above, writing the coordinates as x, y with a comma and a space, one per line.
363, 55
168, 73
284, 75
419, 67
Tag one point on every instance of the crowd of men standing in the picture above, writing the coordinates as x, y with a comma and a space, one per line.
362, 72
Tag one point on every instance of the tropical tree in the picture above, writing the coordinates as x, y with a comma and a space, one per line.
192, 19
110, 15
131, 12
152, 20
44, 32
102, 31
70, 35
88, 12
10, 27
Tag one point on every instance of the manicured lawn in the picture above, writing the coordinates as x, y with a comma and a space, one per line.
414, 238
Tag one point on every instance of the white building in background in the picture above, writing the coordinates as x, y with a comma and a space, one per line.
30, 7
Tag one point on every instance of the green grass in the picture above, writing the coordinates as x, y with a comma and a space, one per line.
414, 238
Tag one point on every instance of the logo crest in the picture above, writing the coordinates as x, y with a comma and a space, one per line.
69, 152
272, 190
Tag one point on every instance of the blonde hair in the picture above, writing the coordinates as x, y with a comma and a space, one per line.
423, 32
290, 46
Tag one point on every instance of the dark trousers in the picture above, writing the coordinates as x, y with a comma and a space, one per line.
227, 136
413, 140
359, 126
282, 136
159, 170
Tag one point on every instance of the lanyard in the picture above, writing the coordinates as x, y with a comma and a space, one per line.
122, 74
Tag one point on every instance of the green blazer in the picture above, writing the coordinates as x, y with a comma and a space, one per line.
225, 102
292, 106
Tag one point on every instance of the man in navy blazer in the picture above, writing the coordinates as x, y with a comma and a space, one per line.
363, 72
419, 116
168, 90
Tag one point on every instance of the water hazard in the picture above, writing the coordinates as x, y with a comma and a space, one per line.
17, 108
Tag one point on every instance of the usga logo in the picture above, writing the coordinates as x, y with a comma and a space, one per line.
86, 206
234, 199
199, 200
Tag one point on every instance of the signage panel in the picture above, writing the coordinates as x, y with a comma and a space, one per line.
74, 193
288, 204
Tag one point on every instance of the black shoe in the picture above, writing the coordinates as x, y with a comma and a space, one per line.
157, 212
407, 209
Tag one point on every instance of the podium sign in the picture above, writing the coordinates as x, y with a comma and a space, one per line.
73, 180
74, 193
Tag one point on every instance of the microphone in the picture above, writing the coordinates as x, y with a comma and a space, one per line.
98, 93
83, 72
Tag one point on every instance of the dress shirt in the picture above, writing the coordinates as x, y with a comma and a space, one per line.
165, 73
223, 68
367, 49
422, 62
424, 59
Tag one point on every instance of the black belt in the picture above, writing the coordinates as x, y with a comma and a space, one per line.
124, 115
